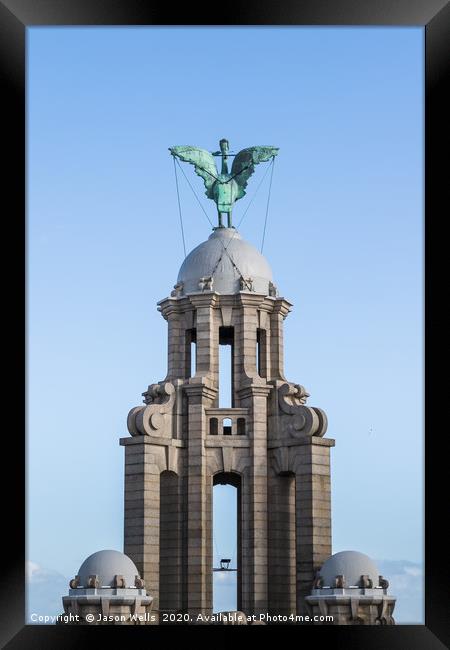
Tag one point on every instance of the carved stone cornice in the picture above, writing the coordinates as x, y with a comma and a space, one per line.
248, 299
168, 306
180, 304
282, 306
203, 299
254, 390
200, 388
152, 440
301, 440
268, 304
227, 412
227, 441
227, 300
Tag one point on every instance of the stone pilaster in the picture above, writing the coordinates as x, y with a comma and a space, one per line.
207, 335
142, 511
170, 596
175, 338
245, 338
313, 511
281, 538
264, 312
255, 508
281, 309
199, 486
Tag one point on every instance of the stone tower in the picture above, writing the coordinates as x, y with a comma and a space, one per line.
268, 444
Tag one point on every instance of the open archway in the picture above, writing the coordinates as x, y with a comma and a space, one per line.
226, 549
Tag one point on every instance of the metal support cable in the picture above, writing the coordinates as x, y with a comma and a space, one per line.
193, 191
241, 220
224, 247
179, 205
267, 207
254, 195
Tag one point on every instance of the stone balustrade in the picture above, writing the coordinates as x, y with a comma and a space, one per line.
227, 421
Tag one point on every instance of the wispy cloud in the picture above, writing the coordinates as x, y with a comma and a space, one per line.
406, 583
45, 588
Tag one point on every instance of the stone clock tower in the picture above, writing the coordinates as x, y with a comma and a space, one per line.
269, 444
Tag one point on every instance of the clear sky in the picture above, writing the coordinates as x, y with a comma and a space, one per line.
344, 239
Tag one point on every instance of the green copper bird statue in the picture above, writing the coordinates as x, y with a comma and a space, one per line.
227, 187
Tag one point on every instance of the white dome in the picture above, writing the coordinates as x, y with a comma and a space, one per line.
352, 565
106, 565
240, 259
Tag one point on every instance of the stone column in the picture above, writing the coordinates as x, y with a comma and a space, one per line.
264, 324
170, 596
169, 308
281, 309
142, 511
246, 323
207, 334
313, 510
198, 531
254, 502
282, 551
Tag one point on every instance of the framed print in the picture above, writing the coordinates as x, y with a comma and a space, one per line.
266, 185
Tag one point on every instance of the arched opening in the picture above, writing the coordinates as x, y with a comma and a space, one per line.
226, 367
169, 543
227, 426
261, 352
191, 352
213, 427
226, 550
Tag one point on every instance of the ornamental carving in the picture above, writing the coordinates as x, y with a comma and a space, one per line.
154, 419
318, 582
206, 283
296, 418
93, 582
366, 582
119, 582
177, 290
75, 582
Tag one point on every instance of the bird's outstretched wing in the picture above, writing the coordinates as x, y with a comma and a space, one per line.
244, 164
203, 162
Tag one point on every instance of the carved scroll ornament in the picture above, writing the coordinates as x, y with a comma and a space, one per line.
152, 419
298, 419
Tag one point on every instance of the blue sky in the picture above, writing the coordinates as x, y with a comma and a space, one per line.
344, 239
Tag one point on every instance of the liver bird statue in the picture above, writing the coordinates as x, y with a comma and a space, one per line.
225, 188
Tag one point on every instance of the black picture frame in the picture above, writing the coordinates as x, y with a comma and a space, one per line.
434, 16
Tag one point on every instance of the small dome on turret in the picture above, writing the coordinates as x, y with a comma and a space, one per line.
106, 565
233, 264
350, 564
